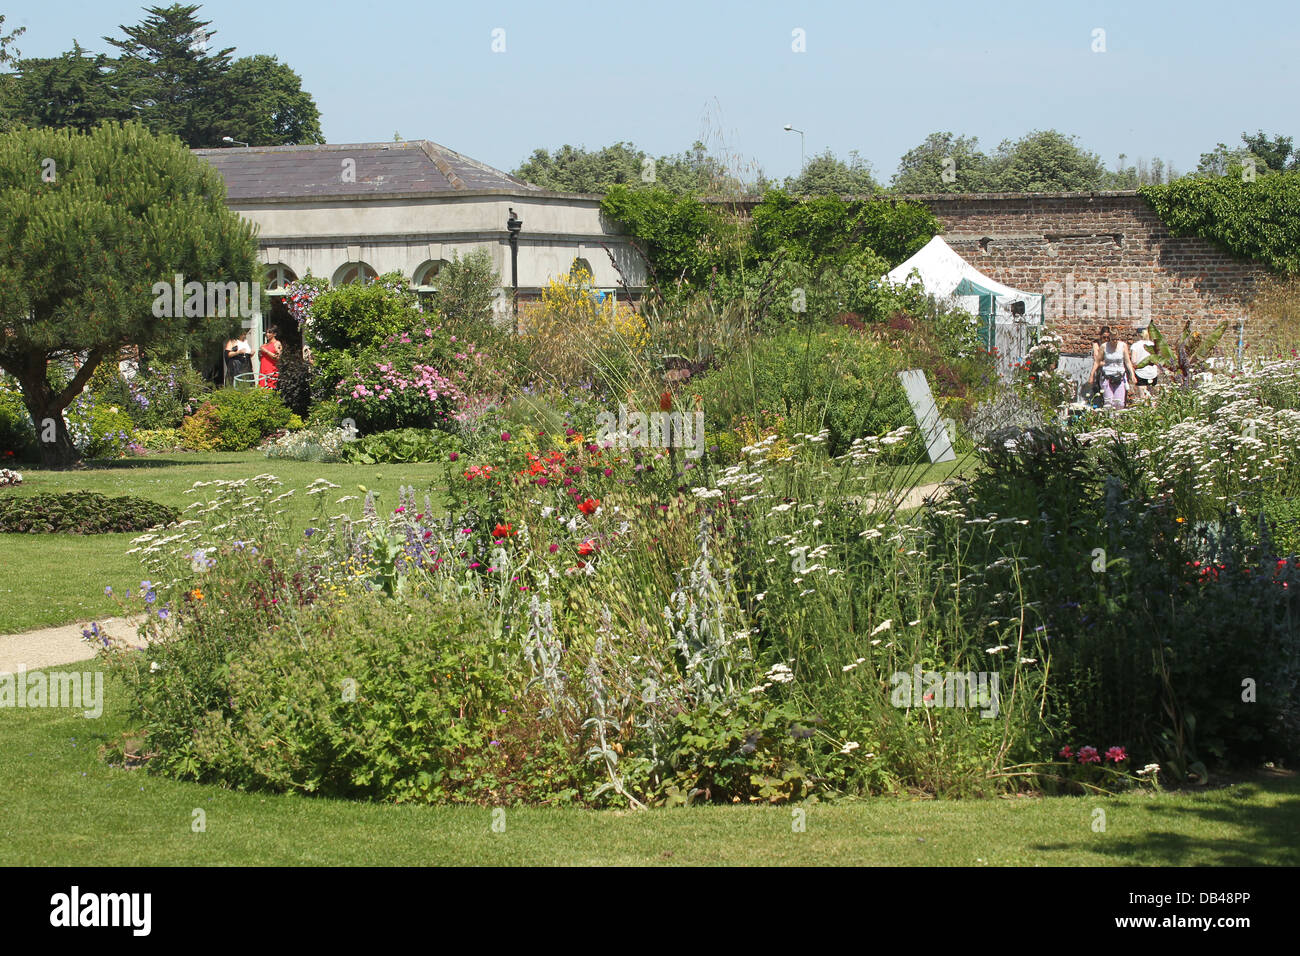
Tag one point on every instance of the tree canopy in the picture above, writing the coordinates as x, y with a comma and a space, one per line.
167, 74
89, 223
576, 169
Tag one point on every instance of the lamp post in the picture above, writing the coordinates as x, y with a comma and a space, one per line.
227, 139
514, 224
802, 162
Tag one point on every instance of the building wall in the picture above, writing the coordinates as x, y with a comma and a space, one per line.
403, 233
1103, 258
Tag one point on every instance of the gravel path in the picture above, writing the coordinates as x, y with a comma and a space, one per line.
50, 646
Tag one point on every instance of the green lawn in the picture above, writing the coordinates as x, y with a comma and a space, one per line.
63, 805
54, 579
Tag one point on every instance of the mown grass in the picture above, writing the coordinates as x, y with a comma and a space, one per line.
64, 806
52, 579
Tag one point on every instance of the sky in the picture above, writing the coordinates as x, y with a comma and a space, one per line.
1164, 79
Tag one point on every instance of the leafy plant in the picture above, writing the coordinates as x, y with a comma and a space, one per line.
80, 512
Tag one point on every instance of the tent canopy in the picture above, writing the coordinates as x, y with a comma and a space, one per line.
946, 275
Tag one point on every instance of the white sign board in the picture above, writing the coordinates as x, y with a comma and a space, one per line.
937, 444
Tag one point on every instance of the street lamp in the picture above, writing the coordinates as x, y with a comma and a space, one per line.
227, 139
791, 129
514, 224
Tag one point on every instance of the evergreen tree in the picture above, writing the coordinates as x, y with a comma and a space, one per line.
76, 89
82, 243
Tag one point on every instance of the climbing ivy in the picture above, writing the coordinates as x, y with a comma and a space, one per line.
1258, 220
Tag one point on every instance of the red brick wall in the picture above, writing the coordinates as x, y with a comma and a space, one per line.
1060, 244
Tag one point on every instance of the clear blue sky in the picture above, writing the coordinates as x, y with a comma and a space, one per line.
877, 77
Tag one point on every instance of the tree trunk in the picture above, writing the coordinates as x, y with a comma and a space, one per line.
46, 406
57, 449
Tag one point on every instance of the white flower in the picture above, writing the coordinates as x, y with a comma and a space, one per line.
849, 747
154, 667
997, 650
914, 623
883, 626
780, 674
1150, 769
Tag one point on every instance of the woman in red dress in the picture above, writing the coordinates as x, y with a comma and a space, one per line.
269, 355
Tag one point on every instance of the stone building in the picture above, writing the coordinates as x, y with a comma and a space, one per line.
349, 212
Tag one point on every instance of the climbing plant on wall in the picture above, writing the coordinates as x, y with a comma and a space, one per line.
1257, 219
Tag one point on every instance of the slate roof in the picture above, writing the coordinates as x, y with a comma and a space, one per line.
289, 172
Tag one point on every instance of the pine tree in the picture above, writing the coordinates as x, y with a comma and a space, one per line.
89, 222
174, 82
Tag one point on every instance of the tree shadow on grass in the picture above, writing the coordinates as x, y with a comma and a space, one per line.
131, 464
1264, 833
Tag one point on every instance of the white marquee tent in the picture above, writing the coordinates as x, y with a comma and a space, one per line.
948, 277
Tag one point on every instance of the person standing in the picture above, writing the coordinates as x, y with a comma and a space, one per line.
269, 354
1148, 376
1112, 358
239, 357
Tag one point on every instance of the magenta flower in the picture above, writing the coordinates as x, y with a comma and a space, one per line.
1089, 755
1116, 755
1066, 752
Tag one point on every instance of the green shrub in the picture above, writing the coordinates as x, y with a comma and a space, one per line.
98, 429
235, 419
372, 699
400, 446
827, 377
79, 512
17, 434
356, 317
160, 439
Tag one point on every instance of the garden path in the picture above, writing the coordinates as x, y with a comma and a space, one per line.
49, 646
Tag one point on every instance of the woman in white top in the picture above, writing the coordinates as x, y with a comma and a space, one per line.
1144, 347
1111, 356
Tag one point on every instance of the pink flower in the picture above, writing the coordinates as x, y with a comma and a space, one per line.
1089, 755
1066, 752
1116, 755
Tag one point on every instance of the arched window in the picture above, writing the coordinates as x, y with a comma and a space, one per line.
425, 277
581, 272
351, 272
276, 276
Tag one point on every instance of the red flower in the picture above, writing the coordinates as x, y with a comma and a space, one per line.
589, 506
502, 531
586, 548
666, 401
1066, 752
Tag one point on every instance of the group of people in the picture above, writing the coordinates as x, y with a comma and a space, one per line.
239, 358
1115, 366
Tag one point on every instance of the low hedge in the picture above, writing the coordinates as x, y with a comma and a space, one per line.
80, 512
